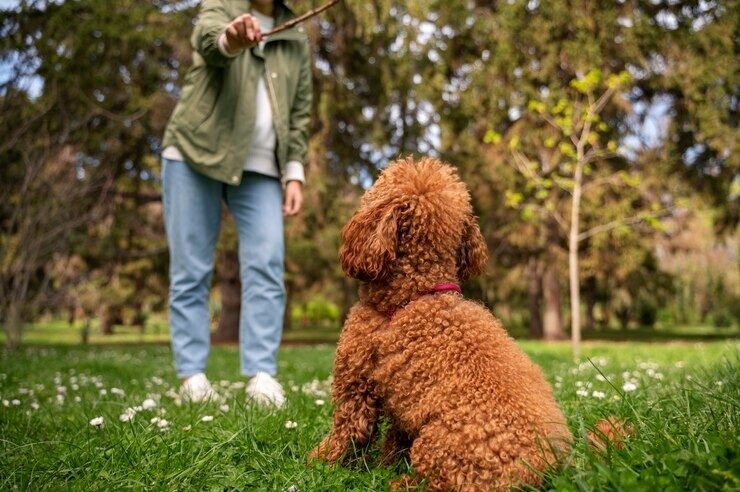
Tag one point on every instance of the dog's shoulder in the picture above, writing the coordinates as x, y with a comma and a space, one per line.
446, 309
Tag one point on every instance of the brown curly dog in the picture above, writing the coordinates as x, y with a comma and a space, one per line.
457, 392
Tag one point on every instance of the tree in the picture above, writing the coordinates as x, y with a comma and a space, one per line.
79, 110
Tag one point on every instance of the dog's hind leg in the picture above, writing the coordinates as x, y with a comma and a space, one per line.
452, 461
357, 408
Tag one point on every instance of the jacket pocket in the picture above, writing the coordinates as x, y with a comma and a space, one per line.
200, 103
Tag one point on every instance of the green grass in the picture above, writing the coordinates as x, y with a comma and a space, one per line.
60, 332
684, 410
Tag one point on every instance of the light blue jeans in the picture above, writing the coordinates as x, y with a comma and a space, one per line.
192, 213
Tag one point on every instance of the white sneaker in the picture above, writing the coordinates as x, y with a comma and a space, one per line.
265, 390
196, 388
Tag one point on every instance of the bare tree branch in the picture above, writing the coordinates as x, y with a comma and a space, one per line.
297, 20
630, 221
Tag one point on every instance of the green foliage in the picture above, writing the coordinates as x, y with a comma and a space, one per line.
588, 84
317, 312
475, 87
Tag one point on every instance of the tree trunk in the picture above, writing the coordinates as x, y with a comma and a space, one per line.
606, 316
552, 320
106, 320
575, 292
590, 294
231, 297
71, 313
13, 328
288, 314
534, 295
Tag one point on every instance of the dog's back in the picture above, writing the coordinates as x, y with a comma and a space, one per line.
452, 377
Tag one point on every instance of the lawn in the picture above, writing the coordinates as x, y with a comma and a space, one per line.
681, 398
60, 332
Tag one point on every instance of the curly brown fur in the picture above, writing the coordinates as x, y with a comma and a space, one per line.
462, 399
610, 431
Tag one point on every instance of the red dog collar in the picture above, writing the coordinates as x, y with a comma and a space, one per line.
436, 289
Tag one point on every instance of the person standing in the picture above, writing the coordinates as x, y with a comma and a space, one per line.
239, 133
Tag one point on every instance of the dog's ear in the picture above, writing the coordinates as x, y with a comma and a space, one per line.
369, 242
472, 255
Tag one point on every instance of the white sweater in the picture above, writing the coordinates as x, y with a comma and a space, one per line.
261, 158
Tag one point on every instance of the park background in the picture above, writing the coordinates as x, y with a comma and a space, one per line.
499, 89
598, 140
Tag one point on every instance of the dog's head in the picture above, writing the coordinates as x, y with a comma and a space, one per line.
417, 212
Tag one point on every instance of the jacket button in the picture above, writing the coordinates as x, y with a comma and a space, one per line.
274, 75
235, 179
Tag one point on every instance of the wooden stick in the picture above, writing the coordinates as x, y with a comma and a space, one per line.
297, 20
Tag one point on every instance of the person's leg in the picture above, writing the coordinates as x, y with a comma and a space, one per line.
192, 204
256, 205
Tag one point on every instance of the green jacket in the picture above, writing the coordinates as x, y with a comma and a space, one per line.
213, 121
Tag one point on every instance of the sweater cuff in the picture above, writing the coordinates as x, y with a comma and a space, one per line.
294, 172
222, 47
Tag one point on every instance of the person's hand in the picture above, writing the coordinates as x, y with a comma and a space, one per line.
242, 32
293, 198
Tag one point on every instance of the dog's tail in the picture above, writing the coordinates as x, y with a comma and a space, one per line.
611, 430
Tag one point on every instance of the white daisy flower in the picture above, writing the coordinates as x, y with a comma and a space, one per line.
224, 407
290, 424
598, 394
15, 402
77, 399
154, 420
163, 423
127, 415
319, 402
97, 422
582, 392
117, 391
103, 392
629, 386
207, 418
148, 404
6, 403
